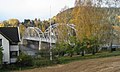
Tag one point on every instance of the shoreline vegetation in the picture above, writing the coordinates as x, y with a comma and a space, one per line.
60, 60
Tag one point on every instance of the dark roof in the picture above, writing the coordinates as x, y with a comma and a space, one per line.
10, 33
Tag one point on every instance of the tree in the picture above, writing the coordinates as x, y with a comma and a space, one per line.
62, 33
71, 45
13, 22
64, 16
91, 20
27, 22
78, 47
92, 44
77, 3
60, 48
24, 60
22, 29
45, 24
5, 22
84, 45
37, 23
1, 25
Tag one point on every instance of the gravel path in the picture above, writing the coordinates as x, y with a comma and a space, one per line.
110, 64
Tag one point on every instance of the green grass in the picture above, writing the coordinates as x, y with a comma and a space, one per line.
67, 59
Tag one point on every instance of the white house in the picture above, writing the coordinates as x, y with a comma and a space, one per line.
9, 39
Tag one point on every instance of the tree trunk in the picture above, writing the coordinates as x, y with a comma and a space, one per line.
96, 49
62, 53
111, 47
93, 51
71, 55
78, 53
82, 52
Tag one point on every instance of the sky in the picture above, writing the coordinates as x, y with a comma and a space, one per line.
31, 9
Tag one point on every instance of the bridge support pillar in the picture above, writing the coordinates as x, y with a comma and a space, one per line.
39, 45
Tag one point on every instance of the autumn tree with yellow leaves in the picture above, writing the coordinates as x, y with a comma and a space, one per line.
92, 21
11, 23
22, 29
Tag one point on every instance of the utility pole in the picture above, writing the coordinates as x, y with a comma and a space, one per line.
50, 35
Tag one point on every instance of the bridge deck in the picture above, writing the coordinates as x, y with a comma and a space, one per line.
41, 39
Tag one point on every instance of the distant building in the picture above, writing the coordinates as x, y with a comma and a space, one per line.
9, 39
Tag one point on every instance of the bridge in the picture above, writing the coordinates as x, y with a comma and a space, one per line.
36, 34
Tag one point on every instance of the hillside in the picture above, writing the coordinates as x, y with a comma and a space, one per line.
67, 14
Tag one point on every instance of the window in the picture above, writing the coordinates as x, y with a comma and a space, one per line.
13, 54
0, 42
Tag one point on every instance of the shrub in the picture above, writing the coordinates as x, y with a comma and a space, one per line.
44, 53
41, 63
24, 60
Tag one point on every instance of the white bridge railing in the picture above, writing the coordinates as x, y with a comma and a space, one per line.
34, 33
47, 40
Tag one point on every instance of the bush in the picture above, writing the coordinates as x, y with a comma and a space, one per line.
11, 67
44, 53
38, 63
41, 63
24, 60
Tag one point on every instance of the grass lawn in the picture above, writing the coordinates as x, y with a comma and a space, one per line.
67, 59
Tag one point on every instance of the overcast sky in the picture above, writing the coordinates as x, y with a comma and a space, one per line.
31, 9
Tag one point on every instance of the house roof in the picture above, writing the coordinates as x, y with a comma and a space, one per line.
10, 33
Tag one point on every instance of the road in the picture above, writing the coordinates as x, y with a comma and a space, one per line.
110, 64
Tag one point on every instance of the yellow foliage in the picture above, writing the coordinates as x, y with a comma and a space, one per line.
22, 29
1, 25
88, 21
13, 22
